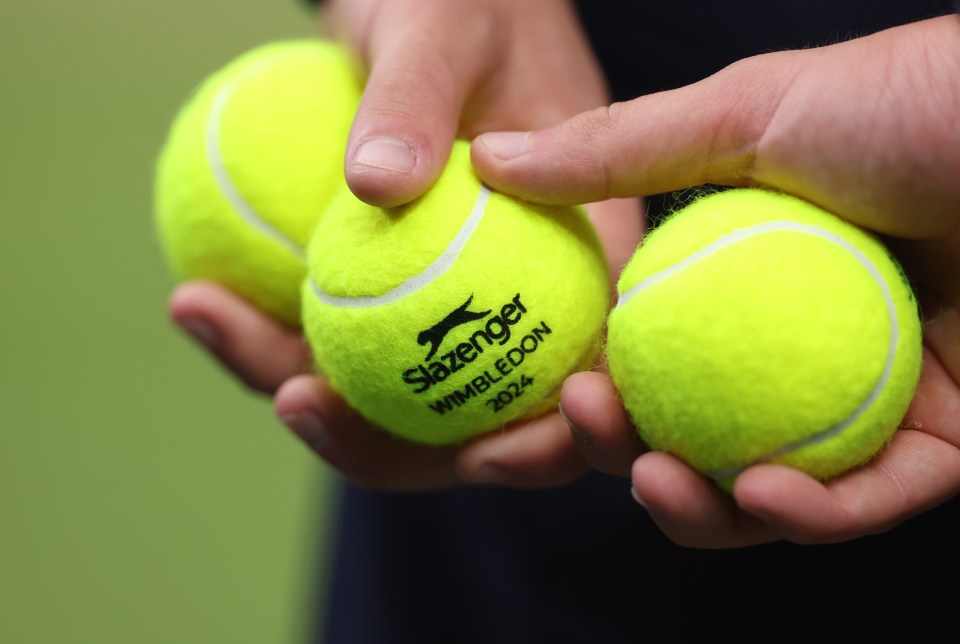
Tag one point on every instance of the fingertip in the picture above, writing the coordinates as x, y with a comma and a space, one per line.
600, 426
179, 297
692, 510
186, 299
298, 406
589, 397
657, 480
387, 172
258, 349
494, 147
384, 171
498, 159
186, 309
366, 455
296, 394
385, 153
311, 391
669, 487
532, 454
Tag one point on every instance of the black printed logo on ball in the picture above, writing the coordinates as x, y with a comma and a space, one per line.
494, 331
435, 334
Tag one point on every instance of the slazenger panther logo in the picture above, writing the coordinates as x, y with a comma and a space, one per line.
493, 331
435, 334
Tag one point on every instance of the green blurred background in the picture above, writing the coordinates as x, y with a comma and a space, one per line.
145, 496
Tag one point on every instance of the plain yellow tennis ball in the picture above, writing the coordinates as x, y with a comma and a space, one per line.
755, 327
252, 158
457, 313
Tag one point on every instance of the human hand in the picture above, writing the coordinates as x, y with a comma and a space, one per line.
454, 68
438, 70
275, 360
868, 130
270, 358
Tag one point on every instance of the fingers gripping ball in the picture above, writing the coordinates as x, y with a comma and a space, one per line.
455, 314
755, 327
250, 161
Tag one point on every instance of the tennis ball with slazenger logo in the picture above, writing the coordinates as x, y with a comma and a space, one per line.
455, 314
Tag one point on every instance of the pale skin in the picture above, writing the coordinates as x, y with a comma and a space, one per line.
869, 129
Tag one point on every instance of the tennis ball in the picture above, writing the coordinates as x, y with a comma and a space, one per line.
752, 326
455, 314
251, 159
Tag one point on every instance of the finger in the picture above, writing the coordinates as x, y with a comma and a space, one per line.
538, 453
261, 352
904, 480
918, 470
690, 509
408, 116
364, 454
790, 120
703, 133
599, 424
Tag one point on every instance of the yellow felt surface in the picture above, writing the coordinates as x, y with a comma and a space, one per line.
282, 137
547, 260
766, 342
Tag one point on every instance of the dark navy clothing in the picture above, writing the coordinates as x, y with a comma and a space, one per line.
583, 563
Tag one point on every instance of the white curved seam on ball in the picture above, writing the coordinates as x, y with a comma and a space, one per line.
222, 177
778, 226
416, 282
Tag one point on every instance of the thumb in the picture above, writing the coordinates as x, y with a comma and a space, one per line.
702, 133
843, 126
410, 110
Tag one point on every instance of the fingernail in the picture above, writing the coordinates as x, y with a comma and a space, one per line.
308, 426
579, 435
200, 331
386, 154
489, 474
636, 496
506, 145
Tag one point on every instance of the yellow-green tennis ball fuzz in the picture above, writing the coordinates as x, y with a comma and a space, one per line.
754, 327
455, 314
251, 160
